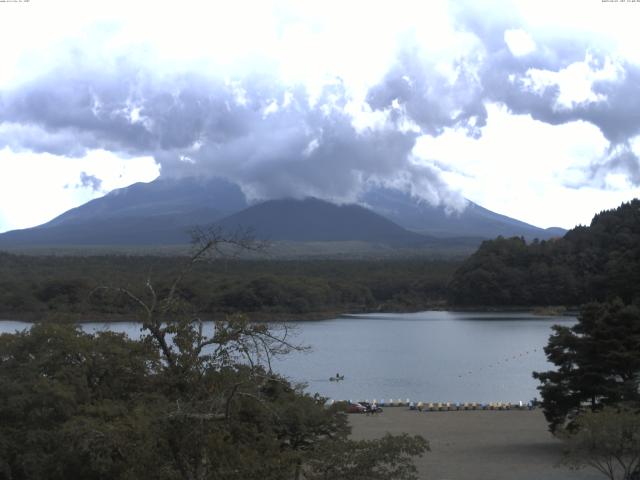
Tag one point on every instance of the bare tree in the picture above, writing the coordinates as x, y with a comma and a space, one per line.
222, 411
177, 332
195, 352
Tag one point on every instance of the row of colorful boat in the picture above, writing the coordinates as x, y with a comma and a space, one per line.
449, 406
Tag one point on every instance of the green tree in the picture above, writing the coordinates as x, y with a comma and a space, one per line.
190, 400
71, 404
607, 440
597, 360
386, 458
598, 262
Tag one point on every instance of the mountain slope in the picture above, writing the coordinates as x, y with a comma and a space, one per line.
474, 220
163, 211
308, 220
160, 197
316, 220
172, 229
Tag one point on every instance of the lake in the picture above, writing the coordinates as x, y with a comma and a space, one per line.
430, 356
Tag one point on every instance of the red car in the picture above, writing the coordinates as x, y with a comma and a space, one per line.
356, 408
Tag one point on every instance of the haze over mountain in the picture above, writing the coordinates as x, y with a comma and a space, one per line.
162, 212
473, 221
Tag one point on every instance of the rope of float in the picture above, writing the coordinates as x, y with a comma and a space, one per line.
506, 360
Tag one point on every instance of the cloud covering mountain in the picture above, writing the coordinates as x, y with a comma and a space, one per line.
334, 128
273, 139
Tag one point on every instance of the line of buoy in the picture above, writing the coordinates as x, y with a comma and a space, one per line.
498, 362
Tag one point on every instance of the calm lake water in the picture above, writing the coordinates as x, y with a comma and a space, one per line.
429, 356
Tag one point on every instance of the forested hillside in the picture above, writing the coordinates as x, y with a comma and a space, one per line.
591, 263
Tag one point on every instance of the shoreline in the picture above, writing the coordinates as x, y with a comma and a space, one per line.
266, 317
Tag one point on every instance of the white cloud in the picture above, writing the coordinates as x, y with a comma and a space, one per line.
519, 42
575, 82
612, 26
520, 168
34, 188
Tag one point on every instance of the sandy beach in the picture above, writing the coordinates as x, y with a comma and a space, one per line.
477, 445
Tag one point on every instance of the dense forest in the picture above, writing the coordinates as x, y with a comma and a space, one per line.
67, 288
593, 263
181, 403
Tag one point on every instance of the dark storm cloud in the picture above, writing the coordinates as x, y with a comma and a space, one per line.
125, 110
273, 140
76, 109
294, 149
30, 137
429, 98
619, 116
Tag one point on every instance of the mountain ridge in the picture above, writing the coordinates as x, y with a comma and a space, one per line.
163, 211
312, 219
156, 197
474, 220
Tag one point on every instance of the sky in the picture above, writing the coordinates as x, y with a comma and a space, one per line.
529, 108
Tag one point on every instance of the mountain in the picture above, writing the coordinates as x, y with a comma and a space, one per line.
171, 229
311, 220
308, 220
473, 221
164, 198
163, 211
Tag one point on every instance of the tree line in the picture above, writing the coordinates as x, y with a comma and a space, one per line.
590, 263
64, 288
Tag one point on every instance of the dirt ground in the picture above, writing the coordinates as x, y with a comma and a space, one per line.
477, 445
